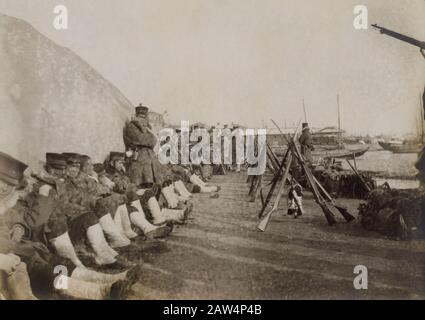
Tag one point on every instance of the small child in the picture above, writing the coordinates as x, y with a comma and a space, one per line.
295, 200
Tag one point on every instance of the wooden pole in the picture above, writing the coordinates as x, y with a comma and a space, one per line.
355, 162
305, 113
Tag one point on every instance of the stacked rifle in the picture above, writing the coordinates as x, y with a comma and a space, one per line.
322, 197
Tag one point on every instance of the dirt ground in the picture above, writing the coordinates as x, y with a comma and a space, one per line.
219, 254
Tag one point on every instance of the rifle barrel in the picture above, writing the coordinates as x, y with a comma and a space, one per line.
400, 36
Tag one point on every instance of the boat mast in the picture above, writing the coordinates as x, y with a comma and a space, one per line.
339, 120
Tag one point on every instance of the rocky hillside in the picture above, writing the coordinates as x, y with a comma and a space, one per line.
52, 100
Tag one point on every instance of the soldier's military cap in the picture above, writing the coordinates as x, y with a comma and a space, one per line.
11, 169
84, 158
72, 158
116, 156
141, 109
56, 160
70, 154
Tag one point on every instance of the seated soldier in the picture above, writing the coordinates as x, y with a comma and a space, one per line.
99, 198
81, 220
139, 199
17, 256
126, 212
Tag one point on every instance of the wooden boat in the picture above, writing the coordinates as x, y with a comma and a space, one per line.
387, 145
406, 148
343, 154
397, 147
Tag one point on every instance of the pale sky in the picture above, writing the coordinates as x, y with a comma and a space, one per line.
249, 60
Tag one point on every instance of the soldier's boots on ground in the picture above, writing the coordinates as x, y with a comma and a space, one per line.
116, 237
205, 188
138, 218
180, 209
104, 254
182, 190
65, 249
82, 289
122, 220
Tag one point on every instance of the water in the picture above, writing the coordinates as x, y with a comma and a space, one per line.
396, 169
388, 163
398, 183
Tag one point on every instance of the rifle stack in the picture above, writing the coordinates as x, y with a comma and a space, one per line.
322, 198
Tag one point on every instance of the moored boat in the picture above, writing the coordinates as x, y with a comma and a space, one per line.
400, 147
406, 148
342, 154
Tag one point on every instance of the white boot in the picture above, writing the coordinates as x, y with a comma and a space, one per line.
181, 188
104, 253
168, 193
116, 238
173, 215
85, 290
155, 210
196, 180
204, 187
122, 218
150, 231
208, 189
94, 276
65, 249
138, 218
176, 196
179, 195
118, 221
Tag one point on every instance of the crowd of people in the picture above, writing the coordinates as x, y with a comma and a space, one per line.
71, 207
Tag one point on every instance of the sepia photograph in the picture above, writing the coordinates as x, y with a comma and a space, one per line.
224, 152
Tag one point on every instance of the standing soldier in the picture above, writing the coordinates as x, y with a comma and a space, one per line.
306, 143
237, 147
145, 168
